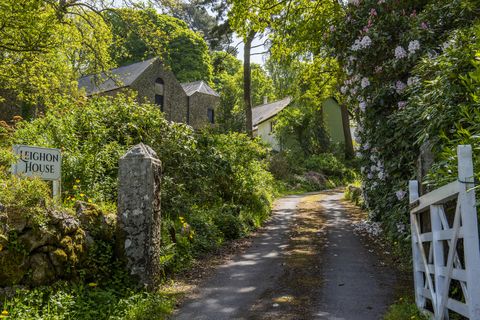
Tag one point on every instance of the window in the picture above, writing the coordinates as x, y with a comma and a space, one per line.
272, 126
159, 93
211, 115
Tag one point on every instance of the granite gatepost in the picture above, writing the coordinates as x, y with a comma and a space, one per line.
139, 214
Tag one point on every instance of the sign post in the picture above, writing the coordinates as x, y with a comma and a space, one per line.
44, 163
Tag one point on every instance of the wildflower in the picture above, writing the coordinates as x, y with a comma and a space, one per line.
378, 69
381, 175
381, 1
400, 86
75, 187
77, 181
424, 25
332, 28
413, 81
4, 314
365, 82
373, 12
90, 201
400, 194
343, 89
400, 53
402, 104
92, 284
413, 46
447, 44
82, 195
362, 106
369, 176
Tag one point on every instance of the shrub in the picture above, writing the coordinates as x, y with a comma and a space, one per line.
222, 178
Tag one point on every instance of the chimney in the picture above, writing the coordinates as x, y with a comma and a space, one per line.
265, 99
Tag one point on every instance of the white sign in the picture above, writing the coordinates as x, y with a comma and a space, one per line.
44, 163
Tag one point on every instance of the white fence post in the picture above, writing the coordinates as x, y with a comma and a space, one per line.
468, 210
418, 280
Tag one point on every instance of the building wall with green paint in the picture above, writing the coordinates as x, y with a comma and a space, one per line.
332, 117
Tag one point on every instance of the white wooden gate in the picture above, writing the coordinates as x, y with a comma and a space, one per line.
444, 250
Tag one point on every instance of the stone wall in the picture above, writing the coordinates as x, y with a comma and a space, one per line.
199, 104
35, 254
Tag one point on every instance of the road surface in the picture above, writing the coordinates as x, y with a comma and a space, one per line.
305, 264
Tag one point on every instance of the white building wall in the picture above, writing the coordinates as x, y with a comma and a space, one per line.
265, 133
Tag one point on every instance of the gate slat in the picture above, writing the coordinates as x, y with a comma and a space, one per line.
438, 196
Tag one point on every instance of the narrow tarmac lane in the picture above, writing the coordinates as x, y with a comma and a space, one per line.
306, 264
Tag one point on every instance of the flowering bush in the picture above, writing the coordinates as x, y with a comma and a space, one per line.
379, 43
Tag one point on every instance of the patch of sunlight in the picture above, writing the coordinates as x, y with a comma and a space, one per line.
284, 299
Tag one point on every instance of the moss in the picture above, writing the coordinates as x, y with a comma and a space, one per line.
95, 221
60, 255
12, 267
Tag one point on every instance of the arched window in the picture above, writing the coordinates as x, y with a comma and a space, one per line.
159, 92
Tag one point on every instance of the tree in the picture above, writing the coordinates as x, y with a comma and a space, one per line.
196, 13
228, 79
301, 128
140, 34
294, 27
44, 47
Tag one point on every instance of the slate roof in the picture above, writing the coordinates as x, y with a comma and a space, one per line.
266, 111
115, 78
198, 86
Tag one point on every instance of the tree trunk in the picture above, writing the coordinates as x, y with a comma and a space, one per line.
349, 153
247, 82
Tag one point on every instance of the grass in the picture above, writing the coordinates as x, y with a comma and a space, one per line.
404, 309
77, 301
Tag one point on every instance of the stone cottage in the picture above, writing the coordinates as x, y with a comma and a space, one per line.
192, 103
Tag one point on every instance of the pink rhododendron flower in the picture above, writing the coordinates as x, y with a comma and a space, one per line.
400, 53
400, 86
413, 46
365, 82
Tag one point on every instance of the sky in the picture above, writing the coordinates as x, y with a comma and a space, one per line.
258, 58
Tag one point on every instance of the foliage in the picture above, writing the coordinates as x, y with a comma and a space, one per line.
45, 47
379, 43
228, 79
226, 172
404, 309
142, 34
312, 173
117, 300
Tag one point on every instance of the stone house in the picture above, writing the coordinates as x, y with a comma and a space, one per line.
192, 103
335, 119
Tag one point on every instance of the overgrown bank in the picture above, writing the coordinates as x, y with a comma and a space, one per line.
215, 187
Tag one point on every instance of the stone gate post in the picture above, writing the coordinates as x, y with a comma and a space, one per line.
139, 215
